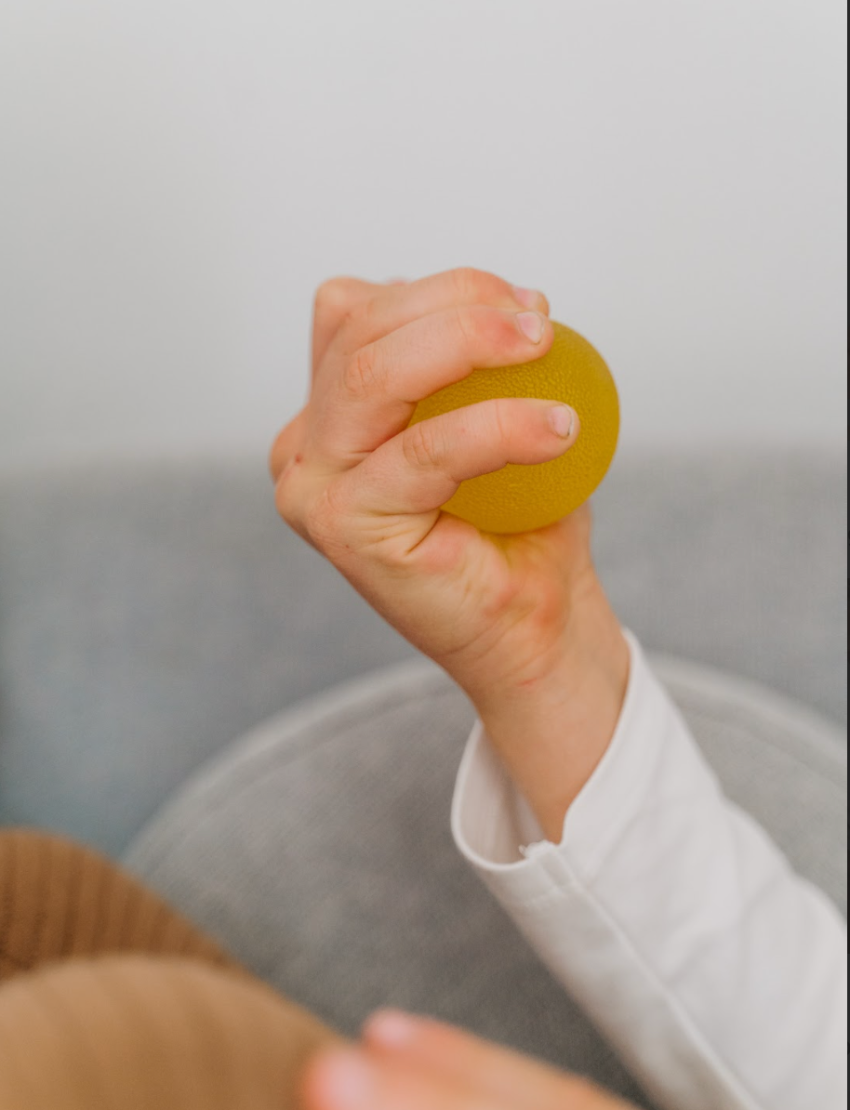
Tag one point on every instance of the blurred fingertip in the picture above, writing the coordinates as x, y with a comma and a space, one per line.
339, 1079
390, 1028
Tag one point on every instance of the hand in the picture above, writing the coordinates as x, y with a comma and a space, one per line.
520, 622
367, 493
407, 1063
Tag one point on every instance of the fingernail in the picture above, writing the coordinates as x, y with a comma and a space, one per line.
531, 325
348, 1081
529, 298
391, 1028
562, 419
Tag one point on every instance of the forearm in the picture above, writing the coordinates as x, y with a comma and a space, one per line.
669, 915
551, 735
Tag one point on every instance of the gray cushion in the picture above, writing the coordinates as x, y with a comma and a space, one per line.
318, 850
151, 612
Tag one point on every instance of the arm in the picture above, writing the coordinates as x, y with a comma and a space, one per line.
669, 915
519, 622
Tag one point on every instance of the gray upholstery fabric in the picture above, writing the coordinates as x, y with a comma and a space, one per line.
318, 850
150, 612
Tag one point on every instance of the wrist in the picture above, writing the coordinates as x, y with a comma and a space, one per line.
552, 733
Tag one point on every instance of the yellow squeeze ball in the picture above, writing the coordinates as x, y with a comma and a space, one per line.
521, 498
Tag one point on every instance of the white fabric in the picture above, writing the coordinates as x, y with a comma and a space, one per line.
717, 973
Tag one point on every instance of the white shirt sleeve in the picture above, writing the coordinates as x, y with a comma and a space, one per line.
717, 974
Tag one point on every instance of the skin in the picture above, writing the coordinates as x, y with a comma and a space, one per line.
408, 1063
521, 622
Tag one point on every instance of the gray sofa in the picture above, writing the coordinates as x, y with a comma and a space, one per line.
188, 686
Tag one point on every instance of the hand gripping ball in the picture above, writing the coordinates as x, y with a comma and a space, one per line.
521, 498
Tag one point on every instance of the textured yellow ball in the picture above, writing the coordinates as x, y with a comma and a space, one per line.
521, 498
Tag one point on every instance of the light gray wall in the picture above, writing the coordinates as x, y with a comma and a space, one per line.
178, 175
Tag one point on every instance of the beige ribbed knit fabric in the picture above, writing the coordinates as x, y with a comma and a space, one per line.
60, 899
112, 1001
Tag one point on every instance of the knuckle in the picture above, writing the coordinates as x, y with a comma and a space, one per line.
478, 285
361, 375
318, 521
315, 524
314, 511
323, 523
421, 448
469, 283
285, 499
357, 315
333, 295
501, 411
467, 326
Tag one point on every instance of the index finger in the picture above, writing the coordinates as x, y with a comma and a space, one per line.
391, 307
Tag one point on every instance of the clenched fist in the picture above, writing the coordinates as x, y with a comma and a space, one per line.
520, 622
